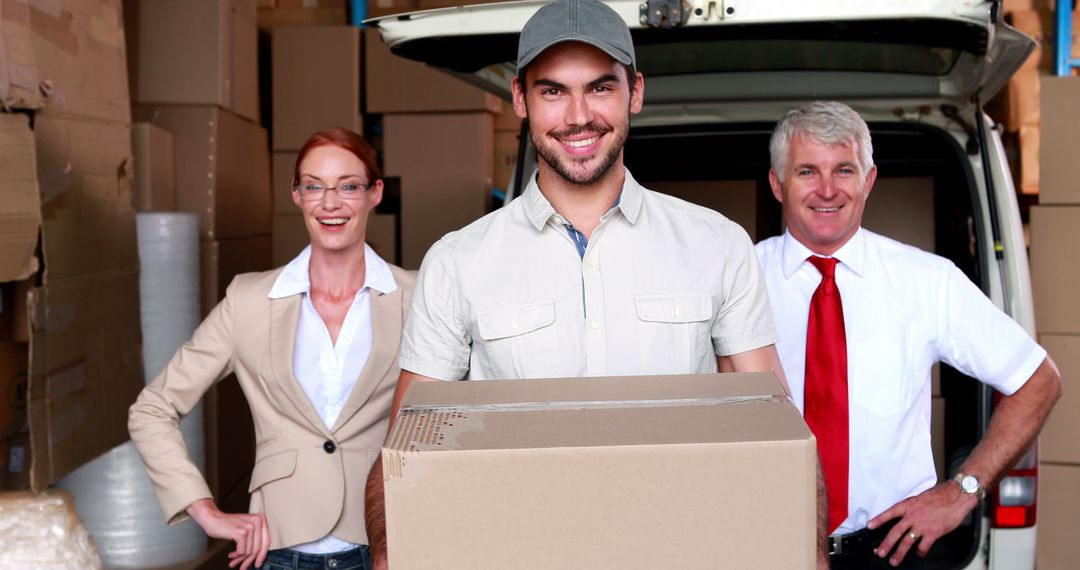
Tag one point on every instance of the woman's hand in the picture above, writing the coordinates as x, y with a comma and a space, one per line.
249, 531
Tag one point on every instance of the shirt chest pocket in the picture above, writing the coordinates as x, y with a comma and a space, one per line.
519, 340
674, 333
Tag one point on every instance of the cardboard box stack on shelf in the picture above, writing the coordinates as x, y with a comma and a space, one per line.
195, 65
70, 348
316, 85
275, 13
1017, 106
1054, 273
439, 138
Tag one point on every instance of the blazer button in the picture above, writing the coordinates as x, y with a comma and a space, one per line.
328, 446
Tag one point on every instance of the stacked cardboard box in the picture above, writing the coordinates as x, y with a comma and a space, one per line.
439, 138
275, 13
1017, 106
1054, 273
196, 73
316, 85
71, 344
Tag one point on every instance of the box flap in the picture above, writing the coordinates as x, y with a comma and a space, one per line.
596, 412
20, 211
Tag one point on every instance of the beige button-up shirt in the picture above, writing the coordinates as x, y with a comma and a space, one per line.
662, 288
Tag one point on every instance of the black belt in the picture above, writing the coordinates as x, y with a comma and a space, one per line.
859, 542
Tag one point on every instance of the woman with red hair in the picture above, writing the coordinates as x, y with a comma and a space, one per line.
315, 347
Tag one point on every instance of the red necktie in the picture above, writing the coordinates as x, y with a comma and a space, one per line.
825, 403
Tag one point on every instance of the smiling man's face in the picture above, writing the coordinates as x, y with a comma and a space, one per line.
823, 193
578, 101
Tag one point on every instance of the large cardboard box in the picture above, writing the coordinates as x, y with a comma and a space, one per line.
444, 161
735, 199
1018, 104
1028, 177
382, 236
221, 260
380, 8
1054, 272
638, 472
14, 381
83, 312
283, 165
20, 210
269, 19
1059, 516
70, 180
398, 85
1057, 442
198, 52
289, 237
155, 189
72, 51
316, 82
222, 168
903, 209
1060, 139
1041, 25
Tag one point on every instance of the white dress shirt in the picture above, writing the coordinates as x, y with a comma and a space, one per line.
904, 310
662, 287
328, 371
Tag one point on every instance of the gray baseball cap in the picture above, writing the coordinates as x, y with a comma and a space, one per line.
587, 21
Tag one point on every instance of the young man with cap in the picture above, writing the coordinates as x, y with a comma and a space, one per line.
862, 319
587, 273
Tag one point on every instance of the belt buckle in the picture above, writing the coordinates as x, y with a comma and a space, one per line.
836, 545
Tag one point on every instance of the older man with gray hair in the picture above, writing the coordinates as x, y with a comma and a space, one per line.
862, 319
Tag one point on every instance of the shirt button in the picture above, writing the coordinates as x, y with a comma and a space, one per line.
589, 263
328, 446
595, 325
514, 325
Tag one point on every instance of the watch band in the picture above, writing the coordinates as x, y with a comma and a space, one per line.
979, 491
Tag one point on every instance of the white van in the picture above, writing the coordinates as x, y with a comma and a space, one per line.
720, 73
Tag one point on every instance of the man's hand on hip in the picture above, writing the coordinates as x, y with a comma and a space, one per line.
923, 519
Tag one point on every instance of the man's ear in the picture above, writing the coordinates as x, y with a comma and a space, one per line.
777, 188
637, 96
871, 177
518, 91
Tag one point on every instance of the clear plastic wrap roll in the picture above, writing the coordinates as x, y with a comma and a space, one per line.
41, 532
113, 494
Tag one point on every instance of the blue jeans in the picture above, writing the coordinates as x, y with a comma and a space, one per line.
285, 559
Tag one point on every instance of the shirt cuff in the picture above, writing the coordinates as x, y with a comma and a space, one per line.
436, 370
1023, 373
744, 343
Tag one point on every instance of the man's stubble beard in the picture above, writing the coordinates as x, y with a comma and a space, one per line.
565, 171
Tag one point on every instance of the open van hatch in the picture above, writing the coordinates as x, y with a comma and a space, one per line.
948, 51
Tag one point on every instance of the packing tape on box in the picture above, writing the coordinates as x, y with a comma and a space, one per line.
589, 405
114, 495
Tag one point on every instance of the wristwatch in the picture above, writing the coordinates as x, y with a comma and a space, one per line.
970, 485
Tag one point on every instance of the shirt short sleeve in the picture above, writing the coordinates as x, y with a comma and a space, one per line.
744, 320
435, 341
983, 342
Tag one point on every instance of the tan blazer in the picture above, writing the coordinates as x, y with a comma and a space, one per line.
309, 481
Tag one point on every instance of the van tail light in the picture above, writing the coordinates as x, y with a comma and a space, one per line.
1013, 501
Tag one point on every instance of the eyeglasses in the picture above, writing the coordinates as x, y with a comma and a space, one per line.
346, 190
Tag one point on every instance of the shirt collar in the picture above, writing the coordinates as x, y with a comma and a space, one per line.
294, 279
539, 210
852, 254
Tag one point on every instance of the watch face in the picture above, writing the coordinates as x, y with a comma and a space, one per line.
970, 484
